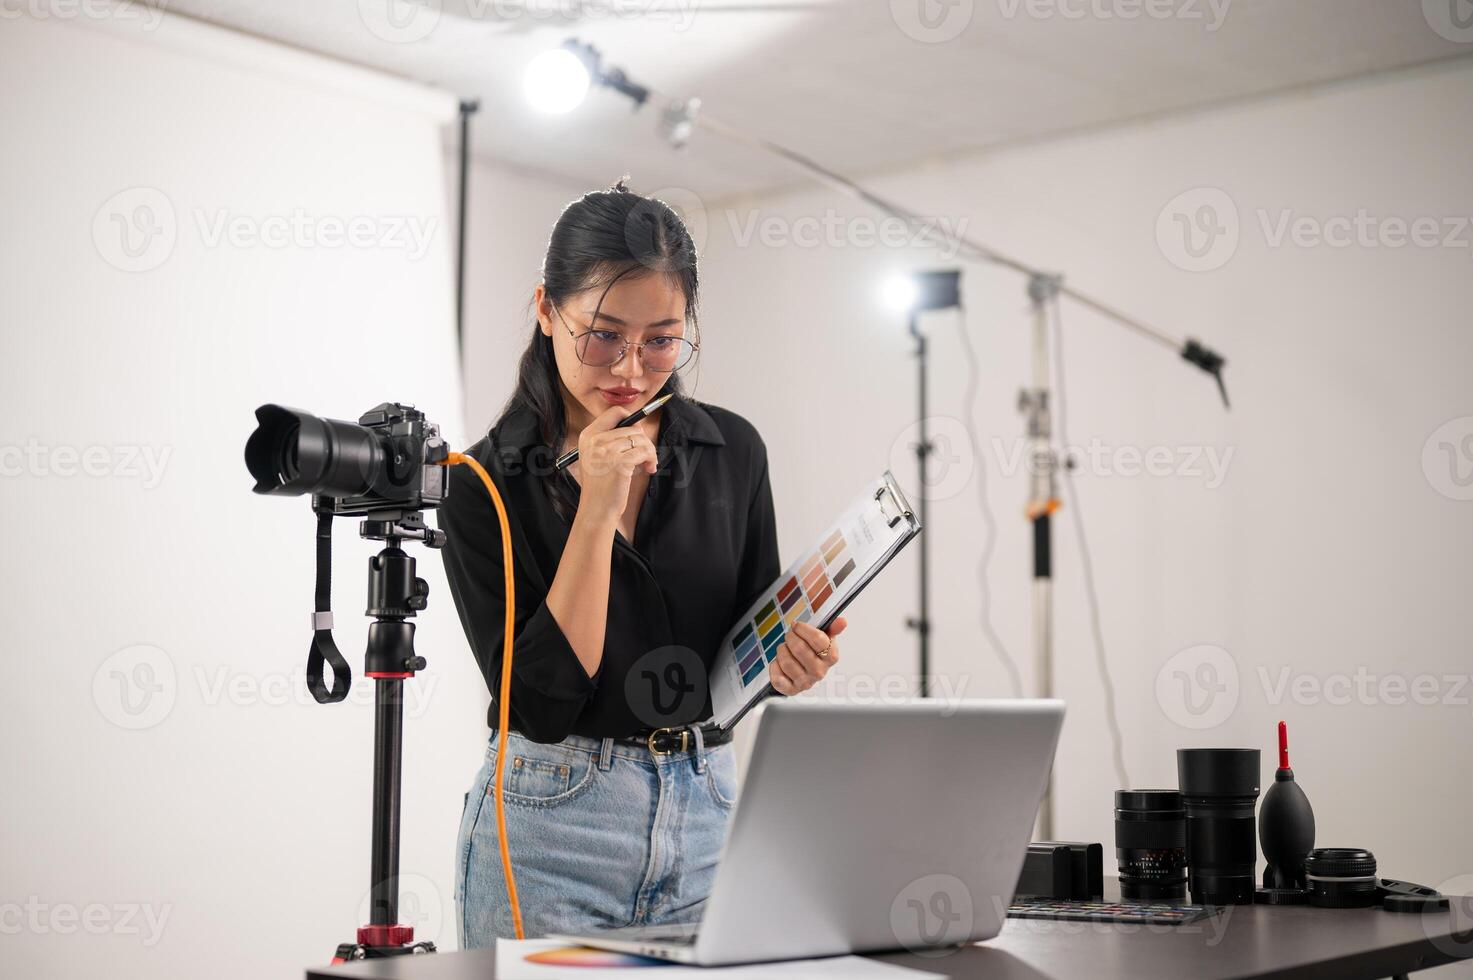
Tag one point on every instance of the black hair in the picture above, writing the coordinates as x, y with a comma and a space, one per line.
598, 239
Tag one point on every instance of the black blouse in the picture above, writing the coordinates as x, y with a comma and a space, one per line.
704, 548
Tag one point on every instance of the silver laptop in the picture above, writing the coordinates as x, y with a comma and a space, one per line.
906, 825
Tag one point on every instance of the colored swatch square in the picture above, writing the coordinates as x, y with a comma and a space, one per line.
773, 637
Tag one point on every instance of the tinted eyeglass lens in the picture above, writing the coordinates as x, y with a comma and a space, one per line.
600, 348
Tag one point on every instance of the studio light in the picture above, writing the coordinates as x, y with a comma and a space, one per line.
899, 293
925, 290
556, 81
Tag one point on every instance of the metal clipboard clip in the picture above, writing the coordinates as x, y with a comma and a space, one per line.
890, 492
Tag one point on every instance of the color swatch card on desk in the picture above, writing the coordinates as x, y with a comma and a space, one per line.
861, 541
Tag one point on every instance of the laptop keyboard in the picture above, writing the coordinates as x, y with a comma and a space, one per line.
675, 935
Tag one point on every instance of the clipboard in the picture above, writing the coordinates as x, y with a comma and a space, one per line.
815, 589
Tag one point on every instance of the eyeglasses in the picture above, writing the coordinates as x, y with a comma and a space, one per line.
605, 348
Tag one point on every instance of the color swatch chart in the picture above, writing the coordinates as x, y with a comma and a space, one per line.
796, 601
862, 539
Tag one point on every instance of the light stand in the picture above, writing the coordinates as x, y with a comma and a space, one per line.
1043, 502
468, 108
933, 291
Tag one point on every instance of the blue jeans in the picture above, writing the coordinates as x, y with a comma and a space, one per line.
602, 834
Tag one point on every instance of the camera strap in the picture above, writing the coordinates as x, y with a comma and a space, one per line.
323, 647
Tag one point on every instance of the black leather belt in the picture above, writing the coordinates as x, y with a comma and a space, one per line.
663, 741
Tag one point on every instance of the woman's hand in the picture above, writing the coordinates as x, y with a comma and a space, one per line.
607, 459
805, 656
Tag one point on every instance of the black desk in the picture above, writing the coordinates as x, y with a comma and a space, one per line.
1242, 941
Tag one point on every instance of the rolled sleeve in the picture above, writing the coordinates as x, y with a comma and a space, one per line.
549, 687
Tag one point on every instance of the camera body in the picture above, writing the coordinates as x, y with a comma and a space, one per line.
389, 462
414, 477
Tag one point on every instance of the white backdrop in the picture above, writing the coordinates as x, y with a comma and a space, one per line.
197, 223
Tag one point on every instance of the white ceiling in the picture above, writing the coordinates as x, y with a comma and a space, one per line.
860, 86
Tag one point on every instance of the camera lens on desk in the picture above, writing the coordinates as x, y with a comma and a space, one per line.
1219, 788
1341, 877
1151, 844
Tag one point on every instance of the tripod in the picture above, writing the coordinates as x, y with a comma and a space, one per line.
395, 594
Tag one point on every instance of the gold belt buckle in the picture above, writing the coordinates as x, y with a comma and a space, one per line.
684, 740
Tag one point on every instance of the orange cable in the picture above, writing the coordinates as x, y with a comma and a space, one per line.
503, 699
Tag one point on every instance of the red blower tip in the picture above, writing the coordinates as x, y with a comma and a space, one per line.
1283, 746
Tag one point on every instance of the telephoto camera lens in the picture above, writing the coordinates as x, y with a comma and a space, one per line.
1219, 788
1151, 844
1341, 878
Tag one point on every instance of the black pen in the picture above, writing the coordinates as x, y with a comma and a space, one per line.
572, 456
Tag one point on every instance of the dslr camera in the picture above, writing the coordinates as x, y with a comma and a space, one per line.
387, 463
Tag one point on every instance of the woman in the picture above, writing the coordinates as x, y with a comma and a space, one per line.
630, 567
